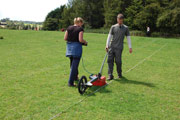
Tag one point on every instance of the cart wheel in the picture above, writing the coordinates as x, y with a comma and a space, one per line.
81, 85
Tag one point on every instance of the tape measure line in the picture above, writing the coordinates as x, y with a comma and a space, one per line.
145, 58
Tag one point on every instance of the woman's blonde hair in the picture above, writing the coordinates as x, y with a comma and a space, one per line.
78, 20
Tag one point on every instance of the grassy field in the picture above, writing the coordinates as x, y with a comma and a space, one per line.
34, 73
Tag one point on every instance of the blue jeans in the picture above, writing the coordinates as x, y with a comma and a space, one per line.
74, 69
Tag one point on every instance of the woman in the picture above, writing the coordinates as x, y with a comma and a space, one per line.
74, 38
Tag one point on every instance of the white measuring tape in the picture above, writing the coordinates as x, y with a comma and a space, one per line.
107, 83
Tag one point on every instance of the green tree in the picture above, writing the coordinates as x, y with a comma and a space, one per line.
131, 12
11, 25
5, 20
54, 16
94, 14
66, 17
162, 3
57, 13
148, 17
113, 8
91, 11
169, 20
51, 24
159, 15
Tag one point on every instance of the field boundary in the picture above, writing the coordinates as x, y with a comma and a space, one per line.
136, 65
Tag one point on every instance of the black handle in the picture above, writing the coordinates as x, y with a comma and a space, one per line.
84, 44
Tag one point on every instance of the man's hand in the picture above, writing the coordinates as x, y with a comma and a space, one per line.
130, 50
106, 48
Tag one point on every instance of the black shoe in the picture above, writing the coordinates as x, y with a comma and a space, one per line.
110, 77
120, 76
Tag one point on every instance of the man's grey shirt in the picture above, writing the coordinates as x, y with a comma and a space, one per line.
118, 32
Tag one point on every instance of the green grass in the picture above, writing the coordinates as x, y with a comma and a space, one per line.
34, 73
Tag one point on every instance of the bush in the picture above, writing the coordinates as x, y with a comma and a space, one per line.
137, 33
166, 35
106, 31
101, 31
155, 34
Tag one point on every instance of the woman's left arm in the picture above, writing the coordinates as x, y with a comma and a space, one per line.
81, 38
66, 36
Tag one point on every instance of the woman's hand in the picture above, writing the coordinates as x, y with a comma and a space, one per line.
85, 42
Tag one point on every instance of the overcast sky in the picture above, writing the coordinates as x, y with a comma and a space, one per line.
30, 10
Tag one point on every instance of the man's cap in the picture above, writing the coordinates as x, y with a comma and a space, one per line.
120, 16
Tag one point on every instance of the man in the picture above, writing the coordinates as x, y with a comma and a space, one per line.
114, 46
148, 32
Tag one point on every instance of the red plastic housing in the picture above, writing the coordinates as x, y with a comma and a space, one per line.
100, 82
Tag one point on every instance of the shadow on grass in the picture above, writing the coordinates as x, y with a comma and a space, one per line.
124, 80
91, 90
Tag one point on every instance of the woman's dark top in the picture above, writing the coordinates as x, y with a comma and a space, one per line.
74, 47
73, 33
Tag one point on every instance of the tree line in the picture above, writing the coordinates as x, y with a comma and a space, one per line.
20, 25
159, 15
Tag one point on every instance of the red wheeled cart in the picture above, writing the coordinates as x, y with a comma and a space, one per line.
95, 80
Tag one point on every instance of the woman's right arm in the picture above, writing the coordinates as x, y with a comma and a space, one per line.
66, 36
81, 38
